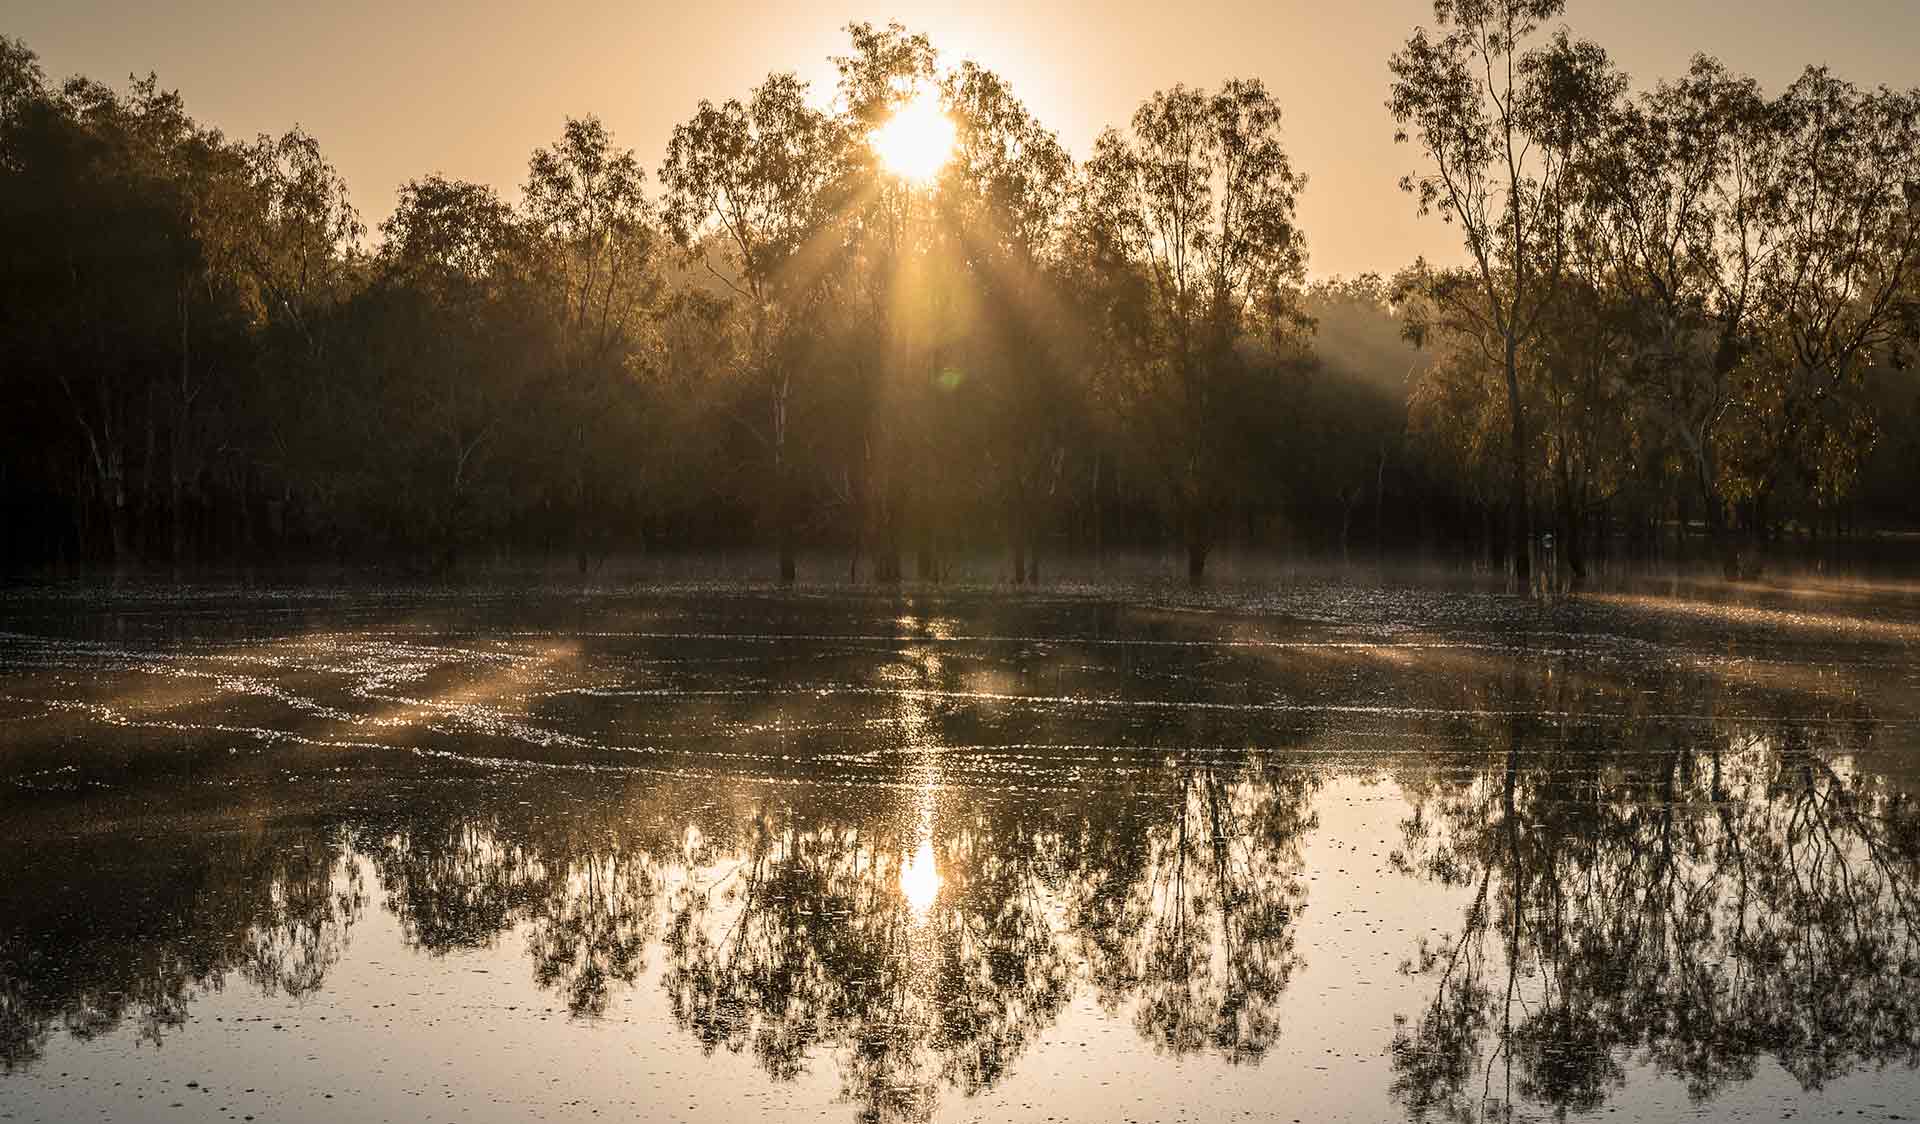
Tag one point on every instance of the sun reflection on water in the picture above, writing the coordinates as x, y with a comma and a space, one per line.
920, 880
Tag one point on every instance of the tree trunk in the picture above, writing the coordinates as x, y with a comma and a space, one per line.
1576, 548
1196, 559
580, 520
1519, 514
1099, 511
1570, 520
1197, 546
175, 503
117, 525
783, 505
1379, 507
886, 552
783, 498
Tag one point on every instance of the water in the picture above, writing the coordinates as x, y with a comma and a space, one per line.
1318, 853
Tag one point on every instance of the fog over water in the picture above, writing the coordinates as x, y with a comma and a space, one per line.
1113, 852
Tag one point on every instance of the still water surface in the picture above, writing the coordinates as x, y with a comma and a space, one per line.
1120, 854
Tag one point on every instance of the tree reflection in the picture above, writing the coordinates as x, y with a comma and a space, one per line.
1177, 907
810, 939
792, 928
1720, 898
165, 922
593, 930
1189, 914
585, 890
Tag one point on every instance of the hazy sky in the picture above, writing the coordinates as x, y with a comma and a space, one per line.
395, 90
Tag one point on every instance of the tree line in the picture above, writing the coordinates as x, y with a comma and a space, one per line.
1683, 306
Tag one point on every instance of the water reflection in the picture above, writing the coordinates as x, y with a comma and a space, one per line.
1183, 910
1750, 897
920, 879
161, 923
906, 863
1705, 907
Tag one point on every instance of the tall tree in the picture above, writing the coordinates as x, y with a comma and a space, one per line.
904, 286
452, 337
1836, 292
1006, 194
1203, 194
1681, 236
762, 176
1499, 124
586, 201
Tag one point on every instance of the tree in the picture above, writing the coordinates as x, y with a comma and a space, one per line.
1835, 292
1680, 236
1204, 195
907, 288
764, 175
1500, 126
1005, 194
593, 228
452, 339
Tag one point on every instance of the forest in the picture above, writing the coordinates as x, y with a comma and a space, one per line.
1679, 328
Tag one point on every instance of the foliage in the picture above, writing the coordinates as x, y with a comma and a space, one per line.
1691, 302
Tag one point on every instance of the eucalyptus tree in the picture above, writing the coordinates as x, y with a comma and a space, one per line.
1501, 125
906, 281
300, 246
22, 79
114, 294
753, 190
587, 204
1457, 415
1202, 193
451, 341
1836, 292
1005, 193
1763, 250
1677, 195
297, 262
884, 68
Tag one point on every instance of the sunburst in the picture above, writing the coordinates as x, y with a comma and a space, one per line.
917, 141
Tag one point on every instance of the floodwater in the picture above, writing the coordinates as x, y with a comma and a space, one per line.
1113, 854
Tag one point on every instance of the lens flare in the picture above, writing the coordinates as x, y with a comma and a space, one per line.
917, 141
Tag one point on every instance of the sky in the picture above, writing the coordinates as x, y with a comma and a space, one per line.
394, 90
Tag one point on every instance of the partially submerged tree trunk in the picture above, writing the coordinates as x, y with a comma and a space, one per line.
787, 567
1572, 510
1519, 512
1379, 506
783, 477
1198, 544
1347, 501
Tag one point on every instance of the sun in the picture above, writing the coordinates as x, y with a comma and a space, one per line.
917, 141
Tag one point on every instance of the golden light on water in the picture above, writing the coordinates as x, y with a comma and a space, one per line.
917, 141
920, 879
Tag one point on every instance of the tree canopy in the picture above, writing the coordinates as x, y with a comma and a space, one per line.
1684, 309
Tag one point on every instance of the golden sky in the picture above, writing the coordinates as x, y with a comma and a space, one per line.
395, 90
